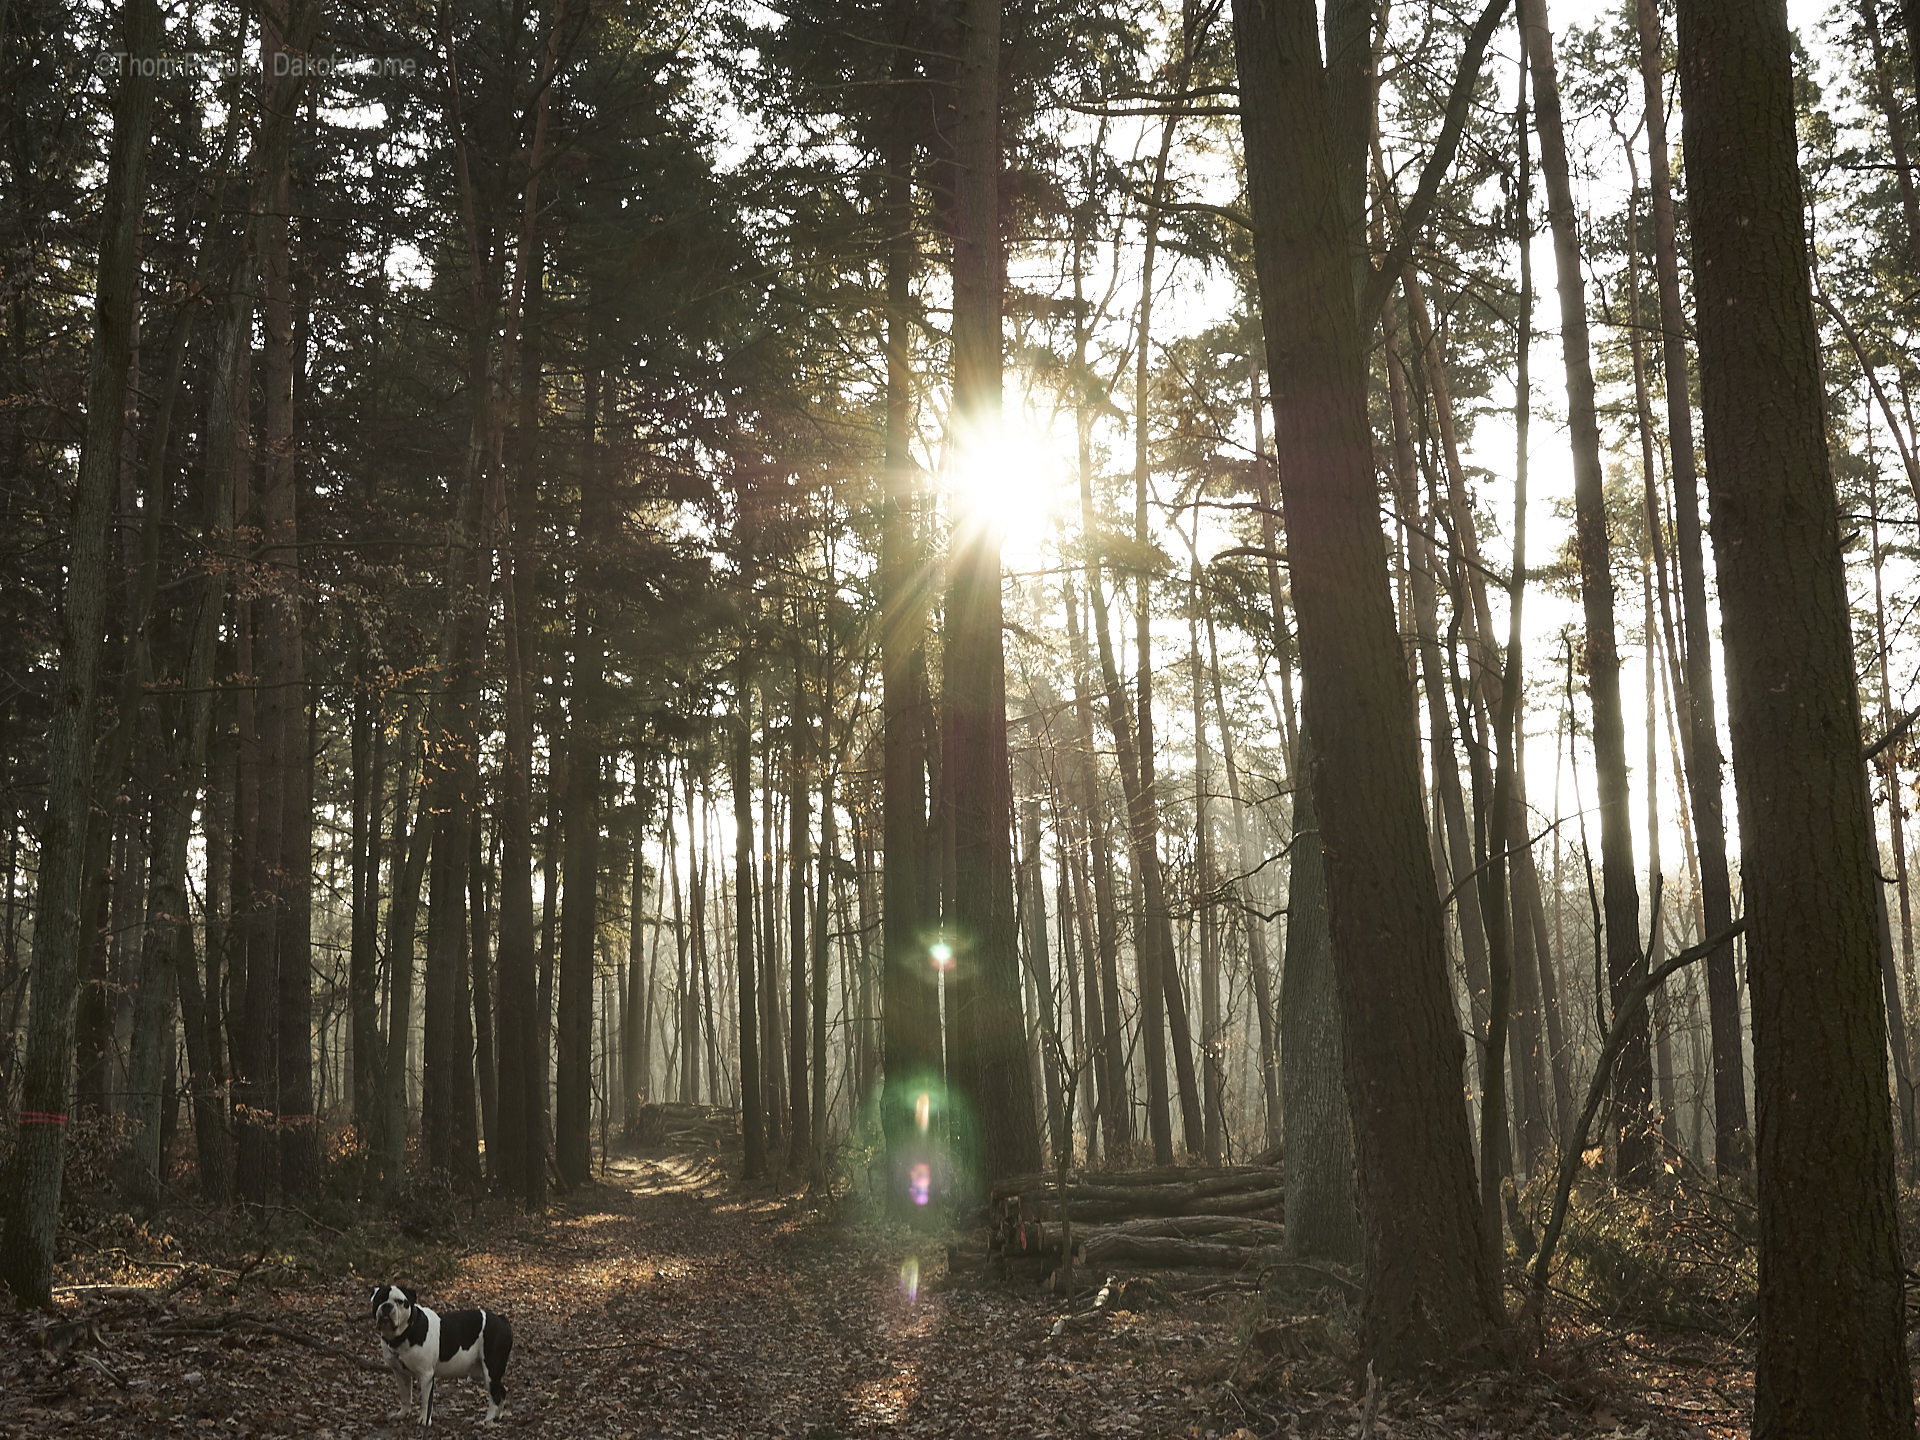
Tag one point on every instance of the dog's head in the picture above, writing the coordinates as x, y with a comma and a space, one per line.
391, 1309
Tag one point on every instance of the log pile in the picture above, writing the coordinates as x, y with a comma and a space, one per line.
685, 1127
1173, 1217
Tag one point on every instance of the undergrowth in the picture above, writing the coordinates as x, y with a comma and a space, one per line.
1680, 1257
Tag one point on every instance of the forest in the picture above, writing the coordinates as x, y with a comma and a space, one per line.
1218, 693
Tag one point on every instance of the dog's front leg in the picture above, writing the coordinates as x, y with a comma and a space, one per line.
403, 1377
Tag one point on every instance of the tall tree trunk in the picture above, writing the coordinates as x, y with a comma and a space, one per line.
1109, 1048
633, 1078
573, 1078
909, 1003
545, 1056
446, 961
799, 820
990, 1062
522, 1097
485, 1055
753, 1126
1513, 837
1053, 1050
1213, 1040
1526, 891
522, 1032
369, 750
168, 938
1144, 803
298, 1125
1900, 1036
1703, 776
1428, 1287
710, 846
32, 1201
409, 869
1831, 1360
822, 923
1099, 922
773, 1083
1252, 900
1151, 953
287, 863
1423, 571
1322, 1220
680, 984
1632, 1082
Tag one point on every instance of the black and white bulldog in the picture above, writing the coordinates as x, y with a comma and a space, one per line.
421, 1346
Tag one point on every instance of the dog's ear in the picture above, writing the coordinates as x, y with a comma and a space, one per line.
409, 1295
373, 1300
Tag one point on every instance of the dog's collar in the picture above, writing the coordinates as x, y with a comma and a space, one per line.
416, 1331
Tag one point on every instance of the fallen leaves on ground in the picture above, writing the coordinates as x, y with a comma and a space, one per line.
669, 1301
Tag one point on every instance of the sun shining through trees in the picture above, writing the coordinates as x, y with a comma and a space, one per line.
1003, 480
844, 577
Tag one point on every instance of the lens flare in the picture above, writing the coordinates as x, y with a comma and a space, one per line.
910, 1280
920, 1186
923, 1111
942, 954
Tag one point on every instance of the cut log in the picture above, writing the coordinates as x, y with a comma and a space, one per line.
1109, 1205
685, 1127
1209, 1240
1212, 1180
1220, 1229
1165, 1252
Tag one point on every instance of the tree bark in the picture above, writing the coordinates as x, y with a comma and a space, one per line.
1831, 1360
1144, 803
1703, 753
1632, 1100
990, 1060
1109, 1048
1322, 1220
1098, 923
799, 840
822, 921
485, 1055
33, 1195
1428, 1289
573, 1079
753, 1127
369, 751
1213, 1041
1900, 1035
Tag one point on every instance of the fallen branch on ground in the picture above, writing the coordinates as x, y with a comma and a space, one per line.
239, 1320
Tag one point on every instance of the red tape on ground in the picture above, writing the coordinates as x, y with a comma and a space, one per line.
296, 1119
41, 1117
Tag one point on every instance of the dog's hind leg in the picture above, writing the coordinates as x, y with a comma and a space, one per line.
499, 1349
496, 1400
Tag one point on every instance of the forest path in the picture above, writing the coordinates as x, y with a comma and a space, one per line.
669, 1302
665, 1301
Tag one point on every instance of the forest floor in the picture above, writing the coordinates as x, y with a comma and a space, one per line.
669, 1301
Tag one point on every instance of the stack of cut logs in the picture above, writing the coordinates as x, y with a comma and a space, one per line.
1175, 1217
685, 1127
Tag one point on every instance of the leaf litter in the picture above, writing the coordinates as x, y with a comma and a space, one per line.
668, 1300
